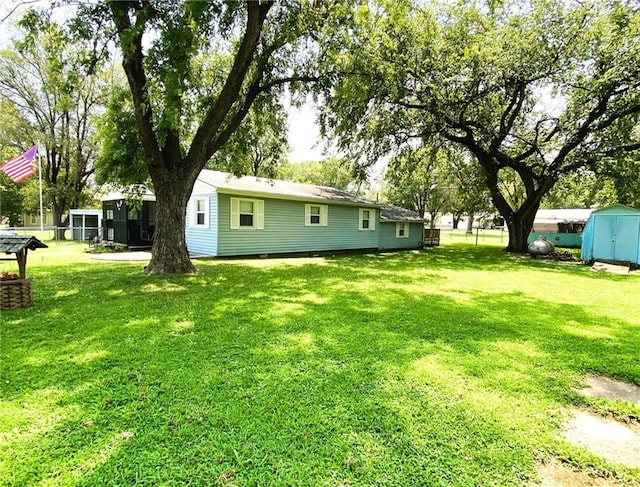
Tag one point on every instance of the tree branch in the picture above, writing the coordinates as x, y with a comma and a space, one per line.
510, 114
132, 62
208, 130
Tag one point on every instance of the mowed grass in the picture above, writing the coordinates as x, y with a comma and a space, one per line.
449, 366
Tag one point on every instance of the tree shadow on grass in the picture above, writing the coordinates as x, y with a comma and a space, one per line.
292, 375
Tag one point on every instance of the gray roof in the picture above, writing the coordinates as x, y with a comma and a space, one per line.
223, 182
554, 215
137, 191
392, 213
12, 244
250, 185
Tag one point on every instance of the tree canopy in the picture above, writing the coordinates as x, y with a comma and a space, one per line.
52, 80
259, 146
334, 173
533, 90
435, 178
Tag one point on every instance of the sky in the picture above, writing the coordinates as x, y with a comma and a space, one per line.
304, 135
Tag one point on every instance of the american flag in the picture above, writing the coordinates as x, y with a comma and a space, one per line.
22, 166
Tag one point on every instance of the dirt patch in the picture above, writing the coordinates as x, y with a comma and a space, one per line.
606, 438
598, 386
615, 442
557, 474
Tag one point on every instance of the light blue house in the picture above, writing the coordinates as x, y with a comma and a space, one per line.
233, 216
399, 229
612, 234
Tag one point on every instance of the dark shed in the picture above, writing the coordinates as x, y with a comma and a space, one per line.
129, 224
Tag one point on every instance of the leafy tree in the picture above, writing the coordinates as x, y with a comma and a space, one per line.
470, 196
14, 131
259, 146
622, 174
47, 75
11, 204
529, 88
121, 160
420, 179
334, 173
194, 71
581, 189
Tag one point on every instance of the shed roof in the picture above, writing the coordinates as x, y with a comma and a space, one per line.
137, 191
275, 188
554, 215
618, 208
12, 244
392, 213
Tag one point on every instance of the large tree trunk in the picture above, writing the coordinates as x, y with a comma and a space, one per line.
456, 220
519, 229
169, 254
470, 219
520, 221
59, 227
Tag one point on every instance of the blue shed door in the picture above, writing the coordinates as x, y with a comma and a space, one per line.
604, 228
627, 233
616, 238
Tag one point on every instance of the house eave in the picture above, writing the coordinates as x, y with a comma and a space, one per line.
401, 220
312, 199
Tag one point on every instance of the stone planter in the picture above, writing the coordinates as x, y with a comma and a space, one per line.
16, 293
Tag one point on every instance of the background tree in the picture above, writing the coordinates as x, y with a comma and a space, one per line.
470, 196
622, 175
121, 160
194, 70
259, 146
334, 173
49, 77
581, 189
437, 178
11, 202
14, 131
527, 88
420, 179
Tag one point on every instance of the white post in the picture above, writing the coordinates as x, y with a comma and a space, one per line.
40, 180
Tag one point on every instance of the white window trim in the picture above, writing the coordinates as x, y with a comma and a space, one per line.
194, 212
372, 219
400, 225
258, 214
324, 215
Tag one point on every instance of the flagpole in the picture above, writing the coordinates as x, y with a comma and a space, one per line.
40, 180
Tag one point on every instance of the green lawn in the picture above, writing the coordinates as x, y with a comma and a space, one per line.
449, 366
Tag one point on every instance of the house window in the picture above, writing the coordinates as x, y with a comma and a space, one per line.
316, 215
367, 219
246, 213
33, 219
402, 230
200, 212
